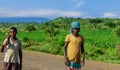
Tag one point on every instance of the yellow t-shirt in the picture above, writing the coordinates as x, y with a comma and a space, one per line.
74, 47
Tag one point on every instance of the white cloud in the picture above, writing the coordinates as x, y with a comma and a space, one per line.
39, 13
78, 3
110, 15
71, 13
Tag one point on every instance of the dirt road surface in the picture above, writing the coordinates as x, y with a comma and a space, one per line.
43, 61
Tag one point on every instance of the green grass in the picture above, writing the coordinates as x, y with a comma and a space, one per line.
100, 43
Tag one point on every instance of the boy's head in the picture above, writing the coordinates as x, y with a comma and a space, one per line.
75, 27
13, 31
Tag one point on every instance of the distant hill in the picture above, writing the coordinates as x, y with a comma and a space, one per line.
23, 19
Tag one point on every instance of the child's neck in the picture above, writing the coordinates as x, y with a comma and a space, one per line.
76, 35
13, 38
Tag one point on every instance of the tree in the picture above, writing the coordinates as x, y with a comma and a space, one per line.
110, 24
51, 29
95, 21
30, 28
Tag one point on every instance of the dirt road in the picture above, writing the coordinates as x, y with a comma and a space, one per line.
42, 61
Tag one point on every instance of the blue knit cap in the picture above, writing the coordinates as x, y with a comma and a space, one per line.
74, 25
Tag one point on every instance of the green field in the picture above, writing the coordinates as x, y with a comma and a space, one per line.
102, 41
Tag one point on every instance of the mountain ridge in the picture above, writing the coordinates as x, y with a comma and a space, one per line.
23, 19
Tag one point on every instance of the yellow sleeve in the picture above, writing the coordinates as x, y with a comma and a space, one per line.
67, 39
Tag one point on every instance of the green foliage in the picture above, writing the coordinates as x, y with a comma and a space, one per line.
25, 39
100, 39
118, 32
2, 36
95, 21
117, 48
30, 28
110, 24
51, 29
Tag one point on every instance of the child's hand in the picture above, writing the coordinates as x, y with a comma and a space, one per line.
66, 61
6, 41
7, 35
1, 50
82, 62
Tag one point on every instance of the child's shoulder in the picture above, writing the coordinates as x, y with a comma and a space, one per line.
68, 35
18, 40
81, 36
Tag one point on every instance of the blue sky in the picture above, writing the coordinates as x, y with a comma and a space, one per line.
60, 8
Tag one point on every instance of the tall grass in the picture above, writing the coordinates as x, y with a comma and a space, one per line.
99, 44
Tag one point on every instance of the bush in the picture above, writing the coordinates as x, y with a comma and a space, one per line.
118, 32
27, 42
25, 39
117, 47
30, 28
110, 24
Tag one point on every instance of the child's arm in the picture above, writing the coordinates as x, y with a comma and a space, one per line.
3, 46
20, 58
5, 43
65, 53
83, 53
2, 49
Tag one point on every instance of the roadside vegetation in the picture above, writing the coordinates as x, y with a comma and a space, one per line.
102, 36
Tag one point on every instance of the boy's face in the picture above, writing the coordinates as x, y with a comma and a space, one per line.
75, 30
12, 33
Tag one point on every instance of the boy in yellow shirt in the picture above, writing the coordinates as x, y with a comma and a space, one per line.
74, 48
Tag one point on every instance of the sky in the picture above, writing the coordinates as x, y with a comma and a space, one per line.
60, 8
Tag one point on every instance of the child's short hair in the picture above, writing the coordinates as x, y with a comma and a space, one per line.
14, 29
